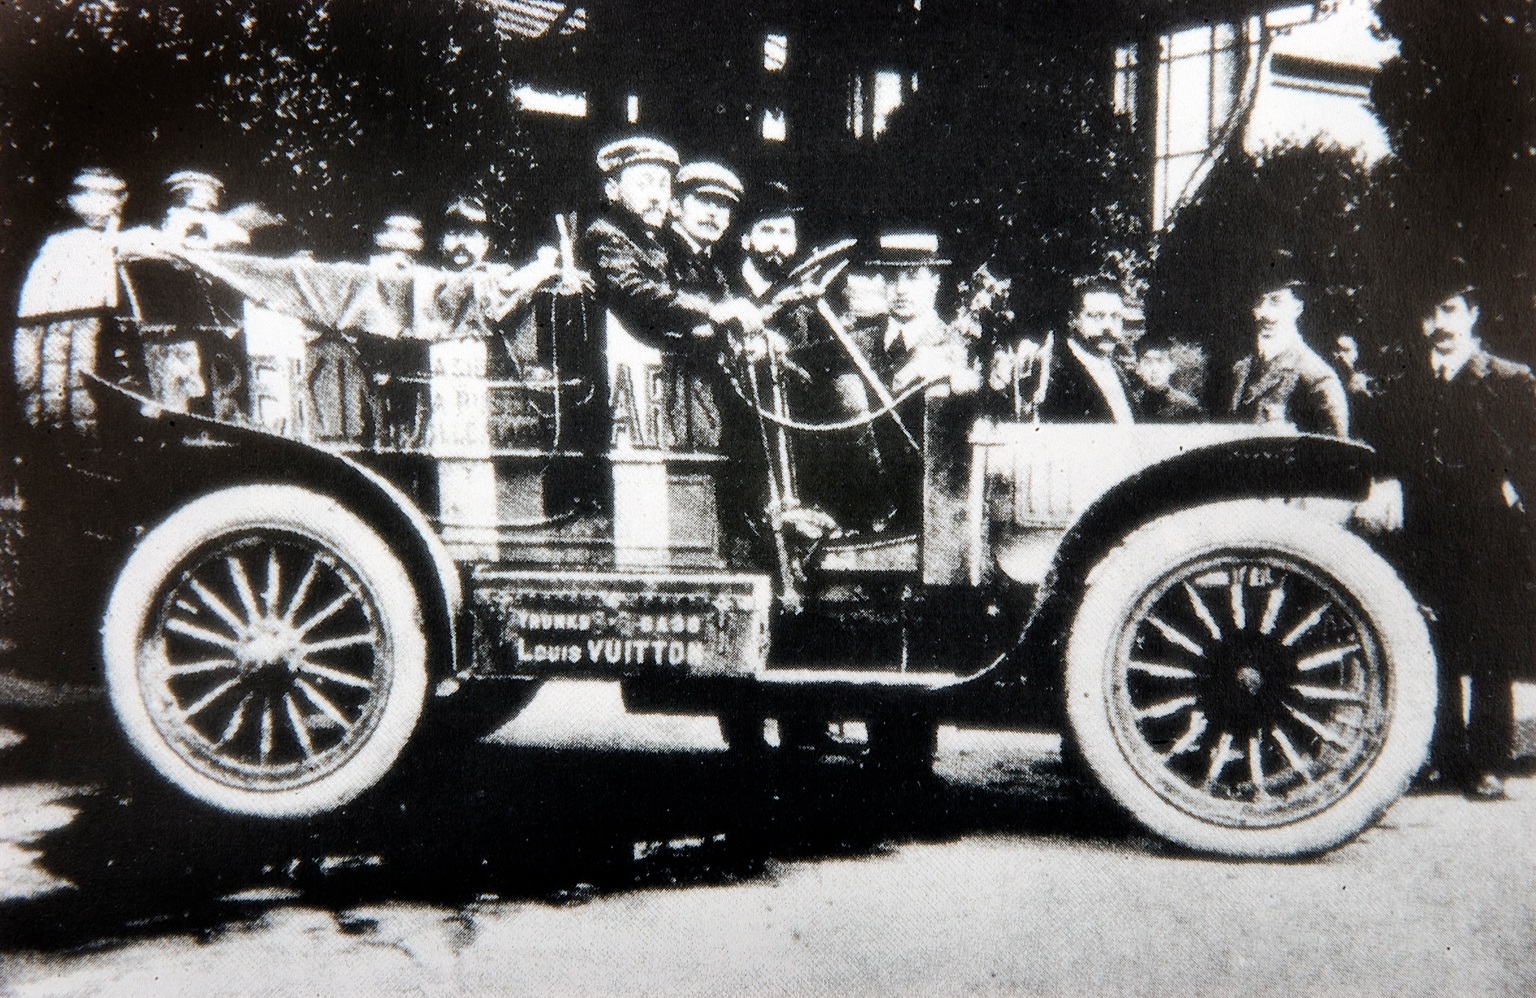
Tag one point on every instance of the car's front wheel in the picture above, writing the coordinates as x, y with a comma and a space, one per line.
264, 652
1250, 680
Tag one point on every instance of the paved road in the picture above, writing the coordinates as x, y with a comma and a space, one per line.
586, 853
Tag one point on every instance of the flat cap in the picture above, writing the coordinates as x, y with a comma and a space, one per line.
711, 179
467, 210
400, 232
96, 179
186, 180
908, 249
1449, 278
634, 150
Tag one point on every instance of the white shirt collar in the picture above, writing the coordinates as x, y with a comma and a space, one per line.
756, 282
1102, 370
1447, 365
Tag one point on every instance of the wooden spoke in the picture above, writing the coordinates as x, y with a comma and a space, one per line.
1291, 755
1166, 708
1239, 602
1160, 670
330, 610
299, 728
334, 675
201, 634
265, 747
201, 703
1256, 767
1307, 623
243, 587
1202, 611
1176, 636
1326, 657
322, 703
1272, 609
302, 592
235, 720
218, 606
1318, 728
206, 665
1328, 693
331, 644
1186, 741
1221, 755
269, 596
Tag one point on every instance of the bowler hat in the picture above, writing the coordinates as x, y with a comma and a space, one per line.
772, 200
634, 150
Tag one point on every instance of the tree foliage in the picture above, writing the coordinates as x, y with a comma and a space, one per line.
334, 111
1313, 202
1459, 103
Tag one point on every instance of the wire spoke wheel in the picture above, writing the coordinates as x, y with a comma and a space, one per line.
264, 651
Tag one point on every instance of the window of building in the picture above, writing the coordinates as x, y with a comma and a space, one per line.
874, 97
1125, 83
775, 52
775, 128
1201, 75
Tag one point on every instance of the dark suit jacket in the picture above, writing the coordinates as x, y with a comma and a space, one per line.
1071, 394
637, 280
1297, 386
1453, 446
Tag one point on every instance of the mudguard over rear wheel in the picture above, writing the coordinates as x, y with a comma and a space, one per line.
264, 652
1250, 680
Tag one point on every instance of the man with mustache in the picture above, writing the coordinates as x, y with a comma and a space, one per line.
635, 264
1462, 445
1284, 380
1093, 377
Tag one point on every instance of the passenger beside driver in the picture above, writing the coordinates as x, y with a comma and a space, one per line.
1094, 376
918, 346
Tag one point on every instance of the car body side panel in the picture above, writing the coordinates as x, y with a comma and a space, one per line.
159, 459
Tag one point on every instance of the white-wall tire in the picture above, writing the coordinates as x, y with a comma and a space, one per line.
1237, 721
264, 652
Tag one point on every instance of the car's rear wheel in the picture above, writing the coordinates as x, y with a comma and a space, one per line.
1250, 680
264, 652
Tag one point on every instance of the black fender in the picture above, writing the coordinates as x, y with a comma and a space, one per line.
156, 460
1024, 679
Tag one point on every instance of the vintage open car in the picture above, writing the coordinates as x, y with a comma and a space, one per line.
380, 525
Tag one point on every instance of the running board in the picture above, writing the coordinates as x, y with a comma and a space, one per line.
853, 677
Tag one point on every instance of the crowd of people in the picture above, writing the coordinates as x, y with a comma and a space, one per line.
804, 366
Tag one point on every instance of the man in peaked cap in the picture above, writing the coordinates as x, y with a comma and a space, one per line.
1284, 380
1459, 436
465, 241
70, 289
634, 263
193, 218
706, 197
